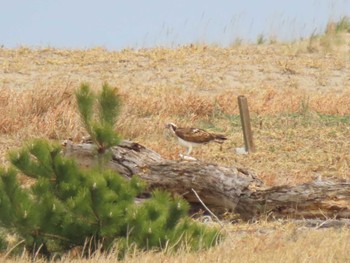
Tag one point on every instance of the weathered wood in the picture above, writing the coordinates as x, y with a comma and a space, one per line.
245, 121
223, 188
317, 199
218, 187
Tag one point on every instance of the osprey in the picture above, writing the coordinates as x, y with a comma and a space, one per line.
190, 137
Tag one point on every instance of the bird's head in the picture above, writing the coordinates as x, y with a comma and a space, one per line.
171, 126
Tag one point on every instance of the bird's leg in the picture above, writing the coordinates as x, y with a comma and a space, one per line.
189, 150
187, 157
182, 156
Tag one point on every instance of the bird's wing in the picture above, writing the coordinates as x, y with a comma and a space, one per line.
194, 135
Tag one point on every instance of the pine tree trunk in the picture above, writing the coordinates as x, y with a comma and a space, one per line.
222, 188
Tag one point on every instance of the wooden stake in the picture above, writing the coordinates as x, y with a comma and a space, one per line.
245, 121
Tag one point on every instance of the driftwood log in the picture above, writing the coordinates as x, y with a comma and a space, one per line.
220, 188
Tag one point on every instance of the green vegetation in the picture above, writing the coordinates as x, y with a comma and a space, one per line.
101, 130
343, 25
260, 39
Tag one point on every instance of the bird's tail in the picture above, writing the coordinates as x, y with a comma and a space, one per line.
219, 138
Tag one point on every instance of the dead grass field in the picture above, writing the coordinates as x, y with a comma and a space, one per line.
261, 242
298, 94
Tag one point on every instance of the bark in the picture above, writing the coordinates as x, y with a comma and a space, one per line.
317, 199
222, 188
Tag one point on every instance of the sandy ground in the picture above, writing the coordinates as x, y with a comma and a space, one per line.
199, 68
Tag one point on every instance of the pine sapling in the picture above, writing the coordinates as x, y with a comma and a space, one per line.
100, 126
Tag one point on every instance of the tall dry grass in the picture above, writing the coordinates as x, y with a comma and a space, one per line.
295, 142
263, 242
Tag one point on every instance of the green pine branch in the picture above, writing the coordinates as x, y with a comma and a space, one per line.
109, 105
100, 126
85, 101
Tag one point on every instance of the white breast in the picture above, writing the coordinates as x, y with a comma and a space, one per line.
187, 144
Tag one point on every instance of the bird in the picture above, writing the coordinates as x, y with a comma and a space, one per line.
191, 137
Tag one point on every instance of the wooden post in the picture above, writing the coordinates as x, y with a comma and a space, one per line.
245, 121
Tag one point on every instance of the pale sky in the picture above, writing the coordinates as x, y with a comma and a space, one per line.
122, 24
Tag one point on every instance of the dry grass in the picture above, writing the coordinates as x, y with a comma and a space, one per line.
281, 244
262, 242
299, 97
